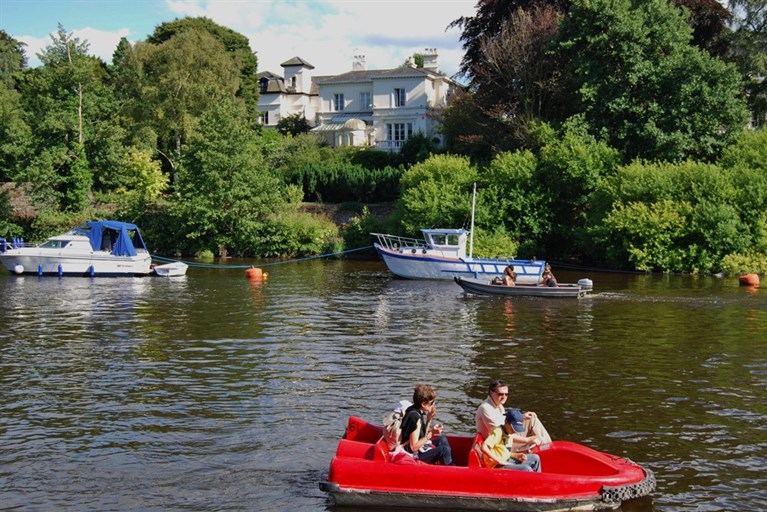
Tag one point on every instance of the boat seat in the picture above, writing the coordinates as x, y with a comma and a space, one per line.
381, 451
475, 452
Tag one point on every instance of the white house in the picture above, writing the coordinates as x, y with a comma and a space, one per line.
380, 108
292, 93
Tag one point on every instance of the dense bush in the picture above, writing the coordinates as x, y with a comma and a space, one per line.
336, 182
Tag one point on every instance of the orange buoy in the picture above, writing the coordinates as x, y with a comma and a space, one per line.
255, 274
749, 280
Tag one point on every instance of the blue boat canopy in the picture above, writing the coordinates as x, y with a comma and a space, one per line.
122, 238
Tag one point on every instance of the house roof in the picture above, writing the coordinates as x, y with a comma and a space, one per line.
367, 75
296, 61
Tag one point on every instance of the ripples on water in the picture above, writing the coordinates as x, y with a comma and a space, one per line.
212, 393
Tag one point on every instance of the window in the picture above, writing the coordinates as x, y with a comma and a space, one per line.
399, 97
293, 82
263, 85
338, 102
398, 133
263, 118
365, 103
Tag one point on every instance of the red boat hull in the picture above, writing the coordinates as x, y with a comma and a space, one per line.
573, 477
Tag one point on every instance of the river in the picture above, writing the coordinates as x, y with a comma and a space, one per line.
210, 392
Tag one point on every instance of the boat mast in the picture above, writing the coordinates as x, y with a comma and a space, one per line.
471, 233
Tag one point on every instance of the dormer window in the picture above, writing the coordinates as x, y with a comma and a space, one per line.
263, 85
399, 97
293, 82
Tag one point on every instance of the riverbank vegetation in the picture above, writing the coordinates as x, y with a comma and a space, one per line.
607, 133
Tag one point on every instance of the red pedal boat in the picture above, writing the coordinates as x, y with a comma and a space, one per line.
573, 477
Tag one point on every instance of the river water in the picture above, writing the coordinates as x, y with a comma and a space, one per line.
210, 392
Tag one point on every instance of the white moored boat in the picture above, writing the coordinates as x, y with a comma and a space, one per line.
175, 269
97, 248
442, 255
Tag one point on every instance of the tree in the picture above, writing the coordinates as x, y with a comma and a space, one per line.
67, 103
14, 132
167, 87
517, 76
226, 191
235, 44
294, 124
12, 58
437, 192
749, 52
642, 87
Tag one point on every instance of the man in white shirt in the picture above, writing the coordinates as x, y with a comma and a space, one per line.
491, 414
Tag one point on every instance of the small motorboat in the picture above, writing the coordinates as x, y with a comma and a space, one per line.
573, 477
96, 248
485, 287
175, 269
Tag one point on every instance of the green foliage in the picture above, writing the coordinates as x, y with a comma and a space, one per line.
437, 192
647, 235
77, 182
139, 177
495, 243
511, 198
226, 192
417, 149
672, 217
745, 263
15, 135
8, 228
335, 182
293, 125
373, 159
569, 171
356, 233
289, 234
235, 44
643, 87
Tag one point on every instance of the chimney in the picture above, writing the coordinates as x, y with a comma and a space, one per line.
359, 63
430, 59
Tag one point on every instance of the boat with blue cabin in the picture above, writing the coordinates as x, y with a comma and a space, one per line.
96, 248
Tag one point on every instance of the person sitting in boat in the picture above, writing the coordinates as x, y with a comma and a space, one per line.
509, 276
491, 414
547, 277
495, 448
419, 438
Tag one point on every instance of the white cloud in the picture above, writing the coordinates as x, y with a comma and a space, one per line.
329, 33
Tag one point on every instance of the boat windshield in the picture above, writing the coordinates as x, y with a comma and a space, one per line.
55, 244
445, 239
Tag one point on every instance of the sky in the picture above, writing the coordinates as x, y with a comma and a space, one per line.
325, 33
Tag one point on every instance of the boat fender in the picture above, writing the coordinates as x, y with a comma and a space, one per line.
61, 270
40, 269
749, 280
619, 493
19, 269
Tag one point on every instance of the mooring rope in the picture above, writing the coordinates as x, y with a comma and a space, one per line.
163, 259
